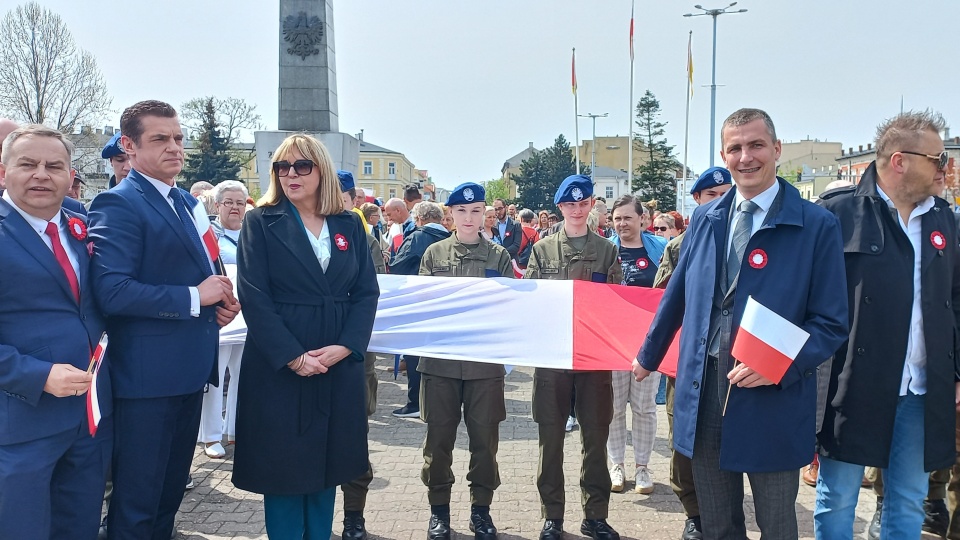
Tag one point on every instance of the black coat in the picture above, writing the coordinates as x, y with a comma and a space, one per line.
867, 370
299, 435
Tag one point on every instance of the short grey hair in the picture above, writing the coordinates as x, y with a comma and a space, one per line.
428, 212
745, 116
526, 215
199, 187
35, 130
229, 185
905, 129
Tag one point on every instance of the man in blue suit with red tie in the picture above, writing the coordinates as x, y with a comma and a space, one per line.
52, 471
158, 284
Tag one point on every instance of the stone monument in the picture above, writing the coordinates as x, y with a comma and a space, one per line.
308, 86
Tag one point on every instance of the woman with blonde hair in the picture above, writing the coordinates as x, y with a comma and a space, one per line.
309, 295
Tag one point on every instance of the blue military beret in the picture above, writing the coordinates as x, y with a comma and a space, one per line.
346, 181
466, 193
712, 177
574, 188
113, 147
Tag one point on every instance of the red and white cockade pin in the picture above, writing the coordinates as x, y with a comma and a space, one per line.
341, 242
758, 258
642, 263
77, 228
938, 240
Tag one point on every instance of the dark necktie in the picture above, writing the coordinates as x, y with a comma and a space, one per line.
187, 221
741, 235
53, 231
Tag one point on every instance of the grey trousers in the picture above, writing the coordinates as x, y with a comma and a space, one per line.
720, 493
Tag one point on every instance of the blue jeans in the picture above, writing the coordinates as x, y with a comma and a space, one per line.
904, 482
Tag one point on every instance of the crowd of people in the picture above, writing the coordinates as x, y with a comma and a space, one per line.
871, 274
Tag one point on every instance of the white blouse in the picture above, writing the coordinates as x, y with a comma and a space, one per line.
321, 246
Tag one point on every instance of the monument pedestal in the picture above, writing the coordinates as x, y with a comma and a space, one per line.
344, 150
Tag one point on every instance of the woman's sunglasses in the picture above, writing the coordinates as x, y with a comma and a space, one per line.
661, 229
302, 166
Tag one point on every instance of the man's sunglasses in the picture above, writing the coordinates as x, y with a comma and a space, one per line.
661, 229
941, 159
302, 166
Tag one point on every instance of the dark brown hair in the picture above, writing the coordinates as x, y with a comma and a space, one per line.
627, 200
130, 123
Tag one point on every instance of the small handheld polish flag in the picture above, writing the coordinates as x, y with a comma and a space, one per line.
766, 342
93, 401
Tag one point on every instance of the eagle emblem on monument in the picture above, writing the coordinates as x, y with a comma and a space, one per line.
303, 33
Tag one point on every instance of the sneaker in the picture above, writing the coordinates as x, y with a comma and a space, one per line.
873, 531
214, 450
407, 412
616, 479
190, 484
936, 519
571, 423
644, 483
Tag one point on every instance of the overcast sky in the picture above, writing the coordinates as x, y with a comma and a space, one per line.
460, 86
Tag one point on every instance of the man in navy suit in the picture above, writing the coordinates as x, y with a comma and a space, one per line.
761, 240
52, 471
157, 283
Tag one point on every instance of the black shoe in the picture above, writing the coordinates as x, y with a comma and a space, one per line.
407, 411
552, 530
439, 528
692, 529
481, 525
598, 529
353, 527
936, 518
873, 531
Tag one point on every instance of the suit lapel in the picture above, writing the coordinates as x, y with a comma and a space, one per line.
928, 228
338, 258
23, 234
162, 207
288, 230
80, 248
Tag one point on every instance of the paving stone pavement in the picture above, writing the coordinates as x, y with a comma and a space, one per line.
397, 507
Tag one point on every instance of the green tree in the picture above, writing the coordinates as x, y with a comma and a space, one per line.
655, 178
496, 189
541, 174
212, 161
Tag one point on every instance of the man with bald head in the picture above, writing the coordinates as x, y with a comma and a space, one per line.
396, 211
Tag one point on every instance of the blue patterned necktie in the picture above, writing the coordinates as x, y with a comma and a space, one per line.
741, 235
187, 221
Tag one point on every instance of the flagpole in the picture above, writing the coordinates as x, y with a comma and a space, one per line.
630, 112
686, 127
576, 118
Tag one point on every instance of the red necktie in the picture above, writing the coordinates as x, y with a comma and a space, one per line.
54, 233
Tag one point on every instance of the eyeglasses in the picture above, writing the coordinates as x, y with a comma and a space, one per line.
230, 204
661, 229
302, 166
941, 158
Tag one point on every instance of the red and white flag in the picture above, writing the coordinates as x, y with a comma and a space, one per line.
766, 342
93, 400
521, 322
205, 230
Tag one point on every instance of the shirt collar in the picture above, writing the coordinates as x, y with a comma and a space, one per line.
920, 209
37, 224
161, 186
436, 226
764, 200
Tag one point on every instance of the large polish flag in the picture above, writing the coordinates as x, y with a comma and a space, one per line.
766, 342
537, 323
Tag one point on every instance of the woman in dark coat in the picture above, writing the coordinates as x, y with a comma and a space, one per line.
309, 294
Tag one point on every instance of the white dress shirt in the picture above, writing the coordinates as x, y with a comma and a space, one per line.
40, 226
320, 245
764, 201
914, 379
164, 190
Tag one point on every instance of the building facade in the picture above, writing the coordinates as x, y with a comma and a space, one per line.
383, 173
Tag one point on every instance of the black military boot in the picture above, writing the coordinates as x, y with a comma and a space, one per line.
481, 524
598, 529
353, 526
439, 528
552, 530
936, 518
692, 529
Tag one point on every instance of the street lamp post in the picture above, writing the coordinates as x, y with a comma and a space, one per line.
593, 145
713, 77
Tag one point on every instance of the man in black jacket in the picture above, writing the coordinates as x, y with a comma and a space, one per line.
510, 231
893, 393
427, 217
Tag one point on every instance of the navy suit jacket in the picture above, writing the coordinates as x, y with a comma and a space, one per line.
75, 206
767, 428
143, 265
41, 324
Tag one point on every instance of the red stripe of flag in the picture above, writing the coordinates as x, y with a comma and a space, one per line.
631, 32
759, 356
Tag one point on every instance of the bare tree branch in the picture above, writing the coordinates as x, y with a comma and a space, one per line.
236, 116
44, 77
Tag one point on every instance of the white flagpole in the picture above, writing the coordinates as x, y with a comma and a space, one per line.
576, 112
630, 112
686, 131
